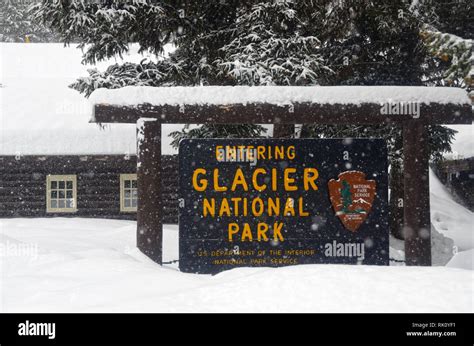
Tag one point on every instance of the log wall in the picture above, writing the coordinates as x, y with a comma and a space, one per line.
23, 185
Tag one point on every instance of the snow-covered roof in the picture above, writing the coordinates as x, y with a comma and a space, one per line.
40, 115
278, 95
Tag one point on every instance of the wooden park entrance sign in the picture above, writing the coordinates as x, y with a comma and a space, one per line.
412, 108
274, 202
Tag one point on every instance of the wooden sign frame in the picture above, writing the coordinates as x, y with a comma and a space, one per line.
416, 205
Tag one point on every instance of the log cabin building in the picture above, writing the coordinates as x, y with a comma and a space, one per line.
53, 162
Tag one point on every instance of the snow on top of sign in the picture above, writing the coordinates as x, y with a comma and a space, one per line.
41, 115
278, 95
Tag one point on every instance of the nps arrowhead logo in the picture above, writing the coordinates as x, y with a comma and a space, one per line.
352, 197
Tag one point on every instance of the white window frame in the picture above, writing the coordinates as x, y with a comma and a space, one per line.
66, 178
123, 178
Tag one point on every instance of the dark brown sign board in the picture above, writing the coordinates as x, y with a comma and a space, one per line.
276, 202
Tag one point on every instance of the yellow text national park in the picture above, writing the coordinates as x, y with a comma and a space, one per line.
230, 197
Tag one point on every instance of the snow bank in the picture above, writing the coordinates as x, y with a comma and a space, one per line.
279, 95
450, 218
451, 228
442, 249
464, 260
90, 265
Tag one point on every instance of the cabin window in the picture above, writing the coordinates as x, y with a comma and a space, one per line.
61, 194
128, 192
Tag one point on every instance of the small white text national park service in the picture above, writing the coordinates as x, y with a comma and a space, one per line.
37, 329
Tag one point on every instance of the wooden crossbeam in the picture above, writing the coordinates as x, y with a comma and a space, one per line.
299, 113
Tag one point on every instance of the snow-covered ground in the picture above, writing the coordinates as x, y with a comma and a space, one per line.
92, 265
83, 265
449, 218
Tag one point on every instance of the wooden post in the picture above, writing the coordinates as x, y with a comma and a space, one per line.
417, 225
396, 200
149, 213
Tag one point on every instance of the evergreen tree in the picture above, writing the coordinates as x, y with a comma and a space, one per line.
379, 45
455, 50
273, 42
346, 196
449, 33
448, 16
17, 24
104, 29
280, 42
217, 131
